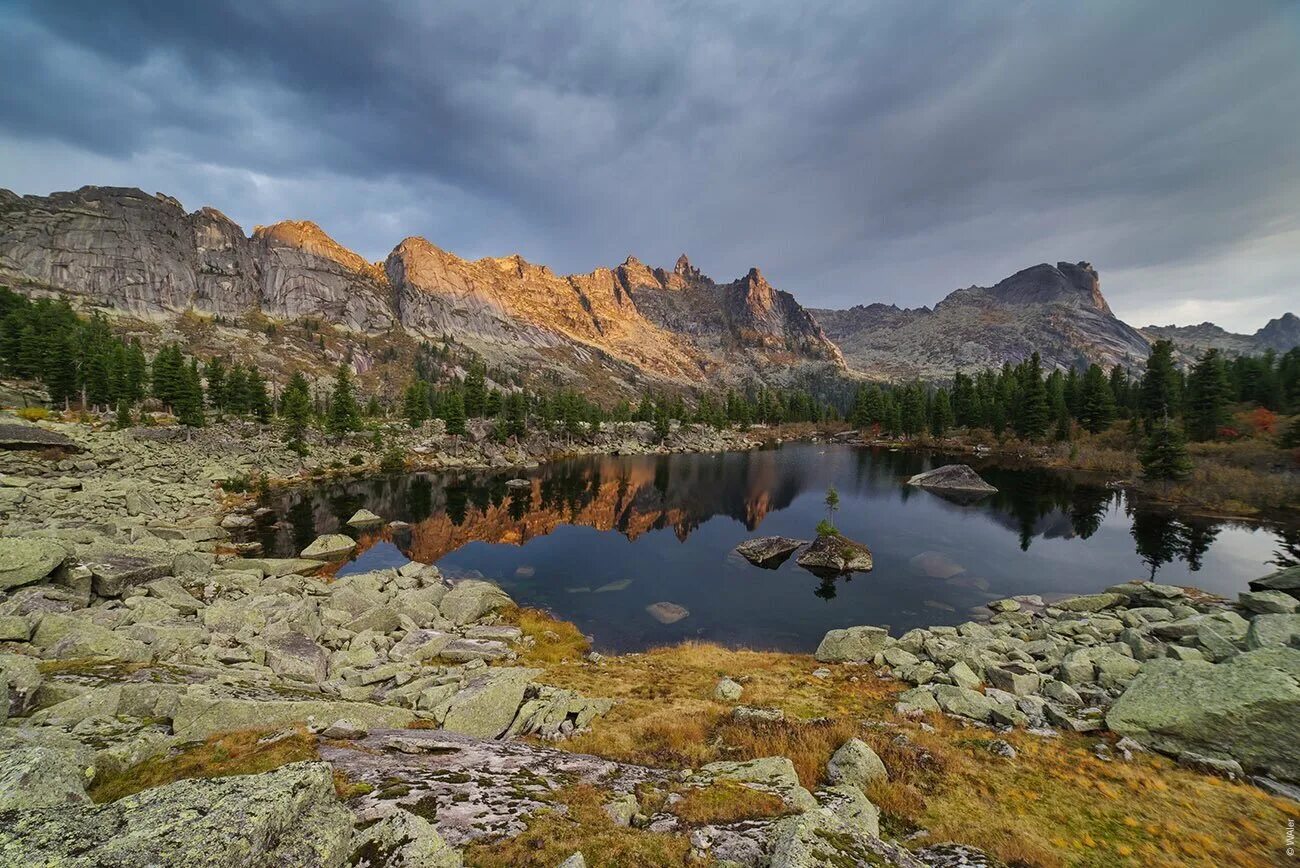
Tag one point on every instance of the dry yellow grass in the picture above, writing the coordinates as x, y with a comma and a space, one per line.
244, 752
578, 822
726, 802
1055, 805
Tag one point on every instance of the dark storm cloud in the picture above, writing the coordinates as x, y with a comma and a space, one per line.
856, 152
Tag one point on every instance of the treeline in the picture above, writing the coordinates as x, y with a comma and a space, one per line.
1161, 406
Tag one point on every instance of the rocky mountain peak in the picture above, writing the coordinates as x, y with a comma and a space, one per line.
308, 237
686, 271
1281, 333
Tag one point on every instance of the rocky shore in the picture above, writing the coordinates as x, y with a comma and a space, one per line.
170, 699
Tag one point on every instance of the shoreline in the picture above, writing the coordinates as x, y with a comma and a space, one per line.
176, 673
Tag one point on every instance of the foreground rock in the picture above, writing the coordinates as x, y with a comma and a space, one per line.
1246, 709
769, 552
958, 478
25, 561
287, 817
19, 436
833, 554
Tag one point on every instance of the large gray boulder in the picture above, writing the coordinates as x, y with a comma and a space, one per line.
833, 554
769, 552
471, 599
329, 547
44, 775
488, 704
25, 561
852, 644
202, 711
1283, 580
953, 477
403, 840
1245, 708
290, 816
856, 764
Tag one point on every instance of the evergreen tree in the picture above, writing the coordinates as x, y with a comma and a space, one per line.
189, 402
662, 421
215, 373
941, 416
1208, 393
1032, 410
453, 414
344, 416
295, 412
60, 369
1098, 401
237, 398
415, 403
964, 401
475, 392
1164, 457
123, 415
259, 402
1159, 393
516, 415
912, 410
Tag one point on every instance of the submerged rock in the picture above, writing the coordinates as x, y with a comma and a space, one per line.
667, 613
769, 551
832, 554
957, 478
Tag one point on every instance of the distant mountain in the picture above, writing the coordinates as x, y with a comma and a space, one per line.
1056, 310
1279, 334
145, 257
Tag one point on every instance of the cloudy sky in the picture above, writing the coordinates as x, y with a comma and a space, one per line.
856, 152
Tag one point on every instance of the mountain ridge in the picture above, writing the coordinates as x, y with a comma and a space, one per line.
145, 256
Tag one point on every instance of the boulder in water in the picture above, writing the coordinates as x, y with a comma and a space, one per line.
364, 518
958, 479
832, 554
667, 613
330, 545
769, 552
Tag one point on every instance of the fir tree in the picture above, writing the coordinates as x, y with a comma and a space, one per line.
189, 402
123, 419
1208, 393
1032, 411
344, 416
259, 402
662, 422
1159, 392
453, 414
516, 415
1164, 457
475, 392
1098, 401
941, 415
415, 403
295, 413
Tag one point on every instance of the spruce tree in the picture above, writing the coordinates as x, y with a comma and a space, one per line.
1208, 394
453, 414
123, 415
259, 402
415, 403
1164, 457
516, 415
295, 413
344, 416
1098, 401
662, 422
215, 373
475, 392
941, 416
189, 401
1033, 412
1159, 393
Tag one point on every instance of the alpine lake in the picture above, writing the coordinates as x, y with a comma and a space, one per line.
600, 540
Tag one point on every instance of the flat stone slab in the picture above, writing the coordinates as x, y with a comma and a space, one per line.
769, 552
19, 436
477, 787
955, 478
330, 545
276, 566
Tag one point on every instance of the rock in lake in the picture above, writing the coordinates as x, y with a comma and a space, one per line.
832, 554
769, 552
667, 613
330, 545
518, 484
364, 518
955, 478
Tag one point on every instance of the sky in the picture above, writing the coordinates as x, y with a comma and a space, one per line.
855, 152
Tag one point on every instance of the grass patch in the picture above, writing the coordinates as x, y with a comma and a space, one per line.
554, 641
726, 802
1056, 804
244, 752
577, 822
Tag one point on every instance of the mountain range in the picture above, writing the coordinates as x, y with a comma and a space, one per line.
144, 257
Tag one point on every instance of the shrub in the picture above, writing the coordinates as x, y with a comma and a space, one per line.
33, 414
356, 459
825, 528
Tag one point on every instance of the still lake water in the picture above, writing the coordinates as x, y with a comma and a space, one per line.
597, 540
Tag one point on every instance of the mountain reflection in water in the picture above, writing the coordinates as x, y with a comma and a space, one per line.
600, 539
